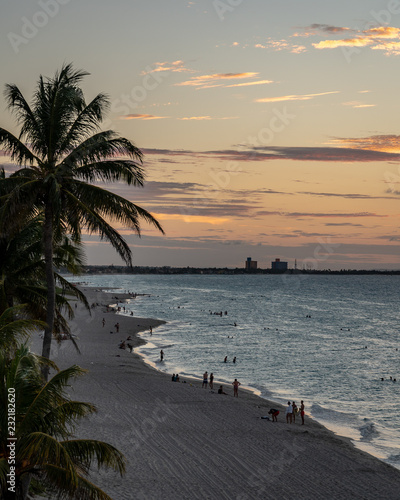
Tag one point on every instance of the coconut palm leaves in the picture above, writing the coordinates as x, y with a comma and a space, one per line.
15, 328
64, 153
22, 273
47, 457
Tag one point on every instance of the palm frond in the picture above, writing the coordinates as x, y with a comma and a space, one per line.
84, 451
87, 121
61, 488
51, 394
16, 149
113, 207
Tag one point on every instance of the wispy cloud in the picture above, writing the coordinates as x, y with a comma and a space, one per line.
199, 219
201, 118
141, 117
322, 215
278, 45
301, 97
315, 29
173, 67
358, 104
196, 118
322, 154
246, 84
352, 196
214, 80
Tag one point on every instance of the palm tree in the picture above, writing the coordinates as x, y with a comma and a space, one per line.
63, 152
22, 273
16, 327
47, 458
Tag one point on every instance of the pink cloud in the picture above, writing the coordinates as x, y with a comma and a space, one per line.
304, 97
141, 117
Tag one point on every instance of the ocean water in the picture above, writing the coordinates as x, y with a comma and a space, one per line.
328, 340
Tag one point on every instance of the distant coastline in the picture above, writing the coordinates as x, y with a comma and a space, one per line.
111, 269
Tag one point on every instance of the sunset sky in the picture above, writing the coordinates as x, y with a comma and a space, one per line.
270, 128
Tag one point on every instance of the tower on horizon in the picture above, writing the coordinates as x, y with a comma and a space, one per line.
250, 265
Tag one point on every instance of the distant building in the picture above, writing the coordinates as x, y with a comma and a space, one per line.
279, 265
249, 265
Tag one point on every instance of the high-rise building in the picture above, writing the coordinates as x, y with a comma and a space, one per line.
279, 265
250, 264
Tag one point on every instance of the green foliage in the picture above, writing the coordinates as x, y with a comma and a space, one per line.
46, 452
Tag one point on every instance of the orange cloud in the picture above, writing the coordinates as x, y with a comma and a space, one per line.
384, 143
174, 67
245, 84
349, 42
358, 104
375, 38
199, 219
304, 97
383, 32
391, 48
208, 81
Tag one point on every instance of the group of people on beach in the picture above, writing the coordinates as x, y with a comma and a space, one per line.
292, 410
205, 383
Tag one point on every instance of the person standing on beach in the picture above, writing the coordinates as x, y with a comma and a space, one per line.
294, 411
117, 327
161, 355
236, 384
302, 412
104, 322
289, 413
205, 380
211, 380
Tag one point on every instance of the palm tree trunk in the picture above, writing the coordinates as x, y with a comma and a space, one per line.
51, 289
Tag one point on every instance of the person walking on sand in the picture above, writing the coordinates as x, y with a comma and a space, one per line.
236, 384
289, 413
117, 327
211, 380
302, 412
104, 322
205, 380
161, 355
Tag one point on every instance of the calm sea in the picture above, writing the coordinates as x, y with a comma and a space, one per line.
328, 340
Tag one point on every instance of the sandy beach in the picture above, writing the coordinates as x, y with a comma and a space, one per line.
184, 442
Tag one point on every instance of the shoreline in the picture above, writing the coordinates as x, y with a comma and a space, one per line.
185, 442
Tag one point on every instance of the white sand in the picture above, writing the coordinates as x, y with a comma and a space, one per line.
182, 442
